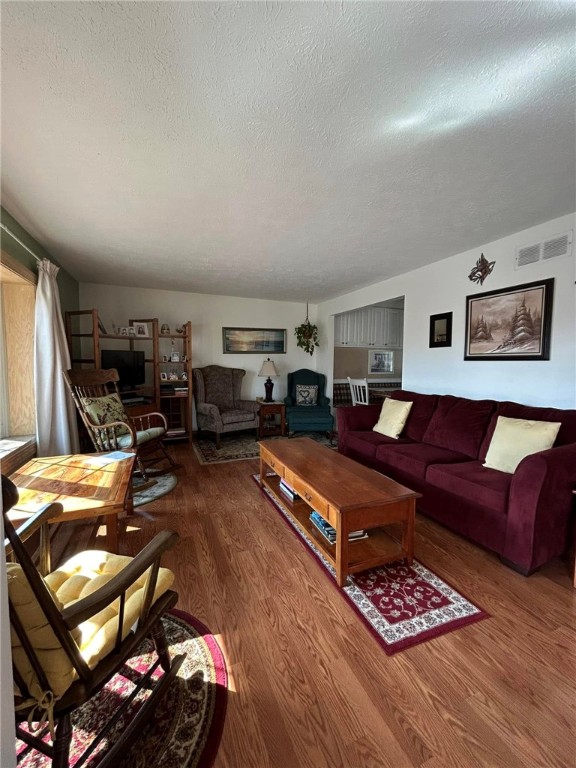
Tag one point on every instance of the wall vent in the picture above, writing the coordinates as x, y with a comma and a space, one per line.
557, 246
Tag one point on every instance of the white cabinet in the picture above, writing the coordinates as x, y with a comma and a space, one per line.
342, 329
369, 327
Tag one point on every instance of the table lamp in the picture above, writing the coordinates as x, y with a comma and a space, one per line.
268, 369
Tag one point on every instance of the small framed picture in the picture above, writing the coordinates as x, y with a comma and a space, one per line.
441, 330
131, 330
163, 376
380, 361
165, 358
141, 330
174, 357
184, 359
122, 331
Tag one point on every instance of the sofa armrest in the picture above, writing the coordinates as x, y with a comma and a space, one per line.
539, 507
354, 418
208, 416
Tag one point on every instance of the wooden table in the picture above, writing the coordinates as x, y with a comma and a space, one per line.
267, 424
348, 495
85, 486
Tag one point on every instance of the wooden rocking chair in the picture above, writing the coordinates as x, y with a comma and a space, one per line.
69, 641
97, 397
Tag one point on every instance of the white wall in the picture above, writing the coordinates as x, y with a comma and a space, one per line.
443, 287
440, 287
209, 314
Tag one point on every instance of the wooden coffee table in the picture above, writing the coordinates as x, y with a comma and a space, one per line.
348, 495
83, 484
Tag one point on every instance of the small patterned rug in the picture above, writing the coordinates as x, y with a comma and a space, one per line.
242, 445
186, 729
402, 605
163, 484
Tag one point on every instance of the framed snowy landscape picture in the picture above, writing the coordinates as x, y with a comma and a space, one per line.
510, 324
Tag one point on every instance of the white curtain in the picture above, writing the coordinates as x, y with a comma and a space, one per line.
56, 430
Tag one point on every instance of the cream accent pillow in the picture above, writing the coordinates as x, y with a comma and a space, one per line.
392, 417
513, 439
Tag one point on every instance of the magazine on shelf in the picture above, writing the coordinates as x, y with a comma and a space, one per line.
329, 532
288, 490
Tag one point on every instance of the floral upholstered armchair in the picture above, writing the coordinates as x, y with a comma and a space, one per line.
219, 405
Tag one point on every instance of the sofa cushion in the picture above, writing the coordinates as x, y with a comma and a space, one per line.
414, 458
514, 439
471, 480
567, 418
235, 416
364, 444
459, 424
420, 414
392, 417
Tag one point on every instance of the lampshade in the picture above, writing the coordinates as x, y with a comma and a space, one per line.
268, 368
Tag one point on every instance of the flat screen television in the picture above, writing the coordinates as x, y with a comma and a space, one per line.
128, 363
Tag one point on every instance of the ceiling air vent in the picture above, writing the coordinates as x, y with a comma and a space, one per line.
560, 245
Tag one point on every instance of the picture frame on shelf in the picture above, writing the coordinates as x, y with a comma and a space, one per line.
123, 330
512, 323
165, 358
163, 376
131, 330
141, 330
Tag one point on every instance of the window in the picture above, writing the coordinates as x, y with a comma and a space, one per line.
17, 413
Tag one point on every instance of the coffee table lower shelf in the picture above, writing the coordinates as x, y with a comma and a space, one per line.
379, 548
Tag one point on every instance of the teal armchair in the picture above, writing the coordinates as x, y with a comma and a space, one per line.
307, 407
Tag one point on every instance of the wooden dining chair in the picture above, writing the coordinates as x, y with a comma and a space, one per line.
75, 627
359, 391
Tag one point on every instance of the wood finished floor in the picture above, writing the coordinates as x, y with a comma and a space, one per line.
311, 688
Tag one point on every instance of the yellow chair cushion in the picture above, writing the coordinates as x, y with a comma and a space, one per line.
514, 439
78, 577
392, 417
52, 657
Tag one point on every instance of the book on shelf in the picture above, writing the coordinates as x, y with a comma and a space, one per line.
329, 532
287, 490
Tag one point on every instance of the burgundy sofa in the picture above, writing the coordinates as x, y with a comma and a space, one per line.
523, 517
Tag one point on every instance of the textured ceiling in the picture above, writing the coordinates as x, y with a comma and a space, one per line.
282, 150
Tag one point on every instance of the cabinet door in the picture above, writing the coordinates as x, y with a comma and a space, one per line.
395, 327
379, 329
365, 326
342, 326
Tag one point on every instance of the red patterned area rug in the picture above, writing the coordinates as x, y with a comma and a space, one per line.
401, 605
187, 726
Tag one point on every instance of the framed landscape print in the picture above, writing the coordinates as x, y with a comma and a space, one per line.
239, 341
510, 324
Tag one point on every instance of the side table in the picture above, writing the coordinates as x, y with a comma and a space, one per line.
268, 423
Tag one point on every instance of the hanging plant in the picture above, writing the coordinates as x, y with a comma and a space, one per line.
307, 335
